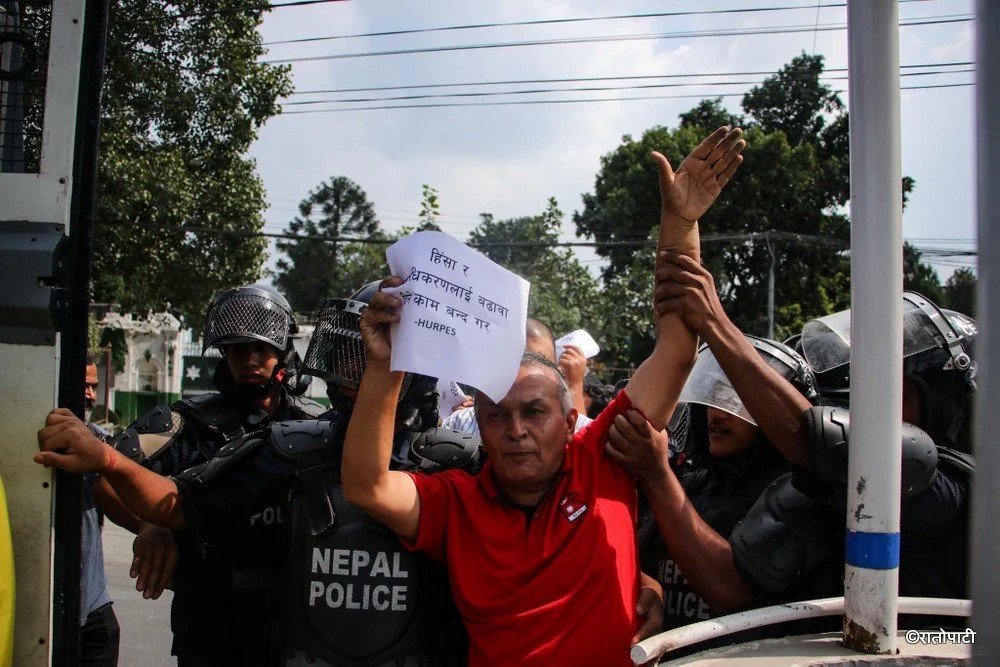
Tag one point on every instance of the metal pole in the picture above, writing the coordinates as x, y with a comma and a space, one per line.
872, 545
770, 289
107, 383
985, 552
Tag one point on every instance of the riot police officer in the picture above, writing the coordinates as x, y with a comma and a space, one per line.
222, 601
724, 466
939, 384
790, 543
350, 593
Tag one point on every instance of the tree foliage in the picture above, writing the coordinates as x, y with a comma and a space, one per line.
920, 277
430, 210
960, 291
321, 265
183, 99
563, 294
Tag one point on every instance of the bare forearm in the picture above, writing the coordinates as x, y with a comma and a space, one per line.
149, 496
704, 556
774, 403
113, 507
657, 383
679, 236
368, 444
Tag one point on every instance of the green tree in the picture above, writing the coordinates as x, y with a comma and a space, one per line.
320, 264
919, 276
180, 204
960, 291
430, 210
710, 114
563, 293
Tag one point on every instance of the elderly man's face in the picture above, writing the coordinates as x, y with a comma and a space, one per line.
525, 433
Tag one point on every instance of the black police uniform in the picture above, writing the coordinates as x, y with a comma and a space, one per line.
791, 544
350, 593
721, 491
221, 603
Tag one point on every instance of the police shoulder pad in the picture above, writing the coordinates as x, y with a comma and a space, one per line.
306, 408
151, 434
216, 412
297, 437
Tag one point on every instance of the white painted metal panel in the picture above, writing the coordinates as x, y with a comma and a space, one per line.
29, 378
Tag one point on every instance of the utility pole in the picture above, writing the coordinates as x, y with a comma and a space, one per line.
770, 288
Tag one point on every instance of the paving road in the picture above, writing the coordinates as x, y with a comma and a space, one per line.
145, 638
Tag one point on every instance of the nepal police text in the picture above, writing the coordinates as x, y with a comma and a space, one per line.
360, 565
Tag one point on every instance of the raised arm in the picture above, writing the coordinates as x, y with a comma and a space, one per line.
685, 195
687, 289
68, 444
386, 495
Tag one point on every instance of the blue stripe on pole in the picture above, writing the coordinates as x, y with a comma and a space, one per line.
872, 551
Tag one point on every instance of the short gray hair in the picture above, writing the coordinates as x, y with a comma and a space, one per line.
539, 361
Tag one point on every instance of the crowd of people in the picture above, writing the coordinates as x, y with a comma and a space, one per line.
712, 481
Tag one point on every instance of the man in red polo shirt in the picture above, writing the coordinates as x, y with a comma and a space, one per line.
540, 546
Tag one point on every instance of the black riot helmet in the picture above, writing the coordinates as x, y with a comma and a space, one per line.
255, 313
250, 313
938, 356
336, 354
708, 385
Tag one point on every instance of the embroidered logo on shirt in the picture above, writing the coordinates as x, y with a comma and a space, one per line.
572, 507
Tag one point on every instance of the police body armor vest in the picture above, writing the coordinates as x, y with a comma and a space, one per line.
356, 596
352, 594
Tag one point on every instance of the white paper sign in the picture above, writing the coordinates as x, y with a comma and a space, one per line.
462, 317
449, 395
580, 339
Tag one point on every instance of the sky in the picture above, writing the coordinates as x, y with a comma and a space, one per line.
508, 160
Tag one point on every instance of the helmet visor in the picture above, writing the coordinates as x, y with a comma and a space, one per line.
336, 353
708, 385
826, 342
246, 317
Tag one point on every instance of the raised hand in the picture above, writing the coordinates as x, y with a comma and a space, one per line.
68, 444
375, 321
688, 192
573, 366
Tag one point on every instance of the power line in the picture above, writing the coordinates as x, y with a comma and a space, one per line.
594, 78
584, 19
776, 30
532, 22
262, 7
778, 236
443, 105
537, 91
